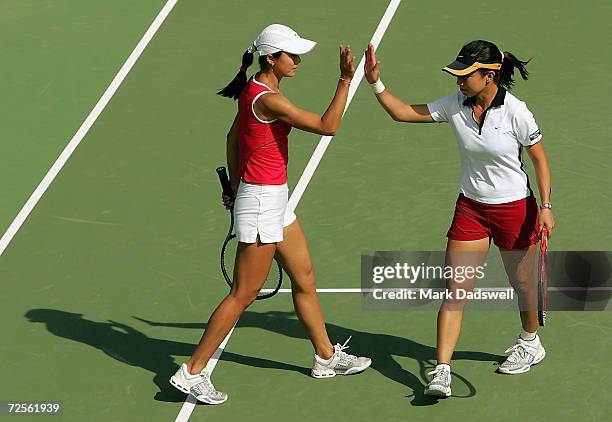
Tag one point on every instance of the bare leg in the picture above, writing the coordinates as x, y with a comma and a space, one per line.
458, 253
253, 261
293, 255
519, 266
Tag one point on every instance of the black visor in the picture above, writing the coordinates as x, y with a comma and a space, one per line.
464, 65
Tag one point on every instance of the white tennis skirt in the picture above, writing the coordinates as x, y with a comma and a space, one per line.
261, 210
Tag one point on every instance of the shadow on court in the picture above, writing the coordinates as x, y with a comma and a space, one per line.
132, 347
121, 342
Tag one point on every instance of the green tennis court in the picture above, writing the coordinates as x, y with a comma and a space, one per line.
108, 283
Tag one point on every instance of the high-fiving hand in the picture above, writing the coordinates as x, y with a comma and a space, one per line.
371, 67
347, 63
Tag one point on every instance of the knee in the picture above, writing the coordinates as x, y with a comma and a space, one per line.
244, 298
452, 303
307, 272
304, 281
522, 282
456, 295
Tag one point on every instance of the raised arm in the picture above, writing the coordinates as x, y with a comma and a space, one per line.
279, 107
397, 109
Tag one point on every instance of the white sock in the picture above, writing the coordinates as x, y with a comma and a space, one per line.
187, 373
443, 365
527, 336
323, 361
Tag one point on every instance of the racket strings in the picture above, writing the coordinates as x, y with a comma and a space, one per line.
273, 281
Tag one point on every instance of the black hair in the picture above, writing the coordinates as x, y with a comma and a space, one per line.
487, 52
235, 87
263, 60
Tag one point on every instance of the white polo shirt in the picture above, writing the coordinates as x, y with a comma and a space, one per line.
492, 168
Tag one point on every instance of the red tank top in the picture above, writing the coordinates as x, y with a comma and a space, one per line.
262, 146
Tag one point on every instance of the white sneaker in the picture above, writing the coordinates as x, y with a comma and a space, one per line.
341, 363
198, 385
439, 386
522, 355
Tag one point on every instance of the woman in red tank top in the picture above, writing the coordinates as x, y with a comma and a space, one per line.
257, 157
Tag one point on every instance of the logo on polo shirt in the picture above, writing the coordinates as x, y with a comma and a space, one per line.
535, 135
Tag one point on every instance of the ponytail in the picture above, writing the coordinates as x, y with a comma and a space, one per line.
235, 87
487, 52
505, 76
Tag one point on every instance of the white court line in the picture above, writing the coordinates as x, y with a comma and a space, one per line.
87, 124
297, 193
191, 401
579, 289
492, 289
386, 289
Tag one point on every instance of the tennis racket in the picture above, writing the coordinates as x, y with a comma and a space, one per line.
274, 280
543, 279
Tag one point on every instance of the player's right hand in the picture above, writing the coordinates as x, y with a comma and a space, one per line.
371, 67
347, 63
228, 202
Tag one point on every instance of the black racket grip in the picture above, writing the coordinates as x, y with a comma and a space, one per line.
225, 184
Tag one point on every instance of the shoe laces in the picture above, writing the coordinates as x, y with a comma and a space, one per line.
518, 353
440, 375
338, 348
206, 383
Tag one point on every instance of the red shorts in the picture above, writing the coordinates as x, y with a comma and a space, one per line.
513, 225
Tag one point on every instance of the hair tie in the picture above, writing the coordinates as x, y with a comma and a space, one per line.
252, 48
503, 56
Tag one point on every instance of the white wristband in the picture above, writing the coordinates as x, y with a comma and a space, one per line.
378, 87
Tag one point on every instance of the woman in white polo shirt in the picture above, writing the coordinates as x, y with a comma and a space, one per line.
492, 127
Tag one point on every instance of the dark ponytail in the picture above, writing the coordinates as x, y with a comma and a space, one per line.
235, 87
487, 52
505, 77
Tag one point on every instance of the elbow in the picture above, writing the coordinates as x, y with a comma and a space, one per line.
327, 130
397, 116
401, 118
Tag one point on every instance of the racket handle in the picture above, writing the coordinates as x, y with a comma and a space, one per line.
225, 184
544, 241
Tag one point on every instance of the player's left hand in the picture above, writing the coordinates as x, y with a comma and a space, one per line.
547, 220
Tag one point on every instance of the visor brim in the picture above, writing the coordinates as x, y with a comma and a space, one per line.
297, 46
457, 68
